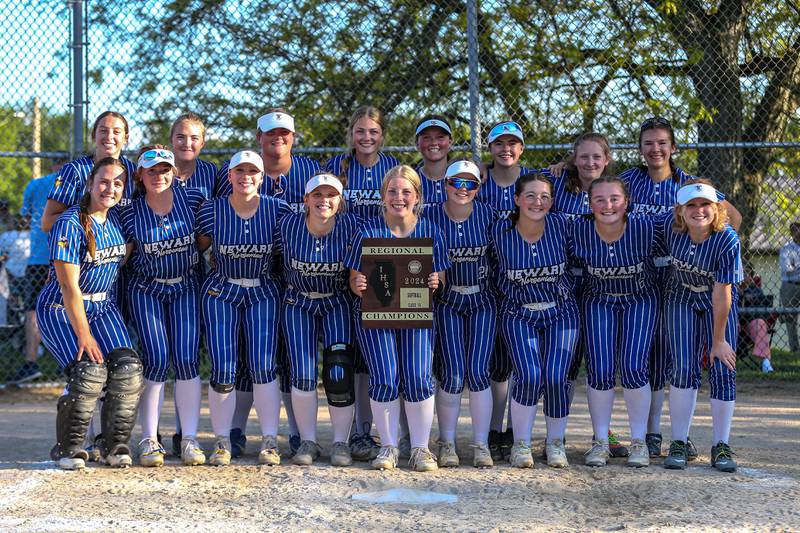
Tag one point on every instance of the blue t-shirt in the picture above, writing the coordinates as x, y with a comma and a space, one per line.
33, 201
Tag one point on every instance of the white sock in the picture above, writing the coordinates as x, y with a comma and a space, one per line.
524, 416
638, 403
403, 421
509, 421
499, 400
601, 403
721, 418
363, 415
291, 420
221, 408
480, 407
304, 404
267, 399
187, 404
387, 418
681, 411
149, 408
341, 419
556, 427
244, 402
178, 425
448, 407
420, 420
656, 407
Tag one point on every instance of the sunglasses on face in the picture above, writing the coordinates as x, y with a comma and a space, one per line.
467, 184
154, 154
505, 128
655, 121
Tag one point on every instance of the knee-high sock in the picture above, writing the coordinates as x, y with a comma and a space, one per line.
420, 420
480, 407
291, 419
524, 417
244, 402
341, 419
149, 408
221, 406
499, 400
267, 399
601, 403
447, 410
387, 418
556, 427
721, 418
681, 411
363, 415
638, 404
304, 404
656, 407
187, 404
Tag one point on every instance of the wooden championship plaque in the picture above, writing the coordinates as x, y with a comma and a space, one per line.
397, 295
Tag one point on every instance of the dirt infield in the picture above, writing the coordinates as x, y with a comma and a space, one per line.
762, 495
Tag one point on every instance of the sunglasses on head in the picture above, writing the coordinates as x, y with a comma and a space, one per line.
467, 184
154, 154
655, 121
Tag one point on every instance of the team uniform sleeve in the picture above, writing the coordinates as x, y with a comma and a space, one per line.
659, 249
352, 259
66, 187
205, 218
441, 261
331, 165
67, 241
282, 211
194, 199
729, 265
127, 224
221, 181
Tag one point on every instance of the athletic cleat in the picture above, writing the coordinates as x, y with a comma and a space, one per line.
191, 453
95, 449
615, 447
653, 441
422, 460
30, 371
556, 454
269, 454
448, 458
120, 457
494, 445
222, 452
676, 460
363, 447
76, 462
151, 454
521, 455
405, 447
598, 454
306, 453
294, 443
691, 451
482, 457
506, 442
386, 459
340, 454
238, 442
722, 457
177, 444
639, 455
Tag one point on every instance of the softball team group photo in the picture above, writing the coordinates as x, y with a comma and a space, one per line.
540, 277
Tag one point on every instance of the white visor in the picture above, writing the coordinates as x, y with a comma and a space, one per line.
271, 121
324, 179
696, 190
433, 123
151, 158
463, 167
246, 156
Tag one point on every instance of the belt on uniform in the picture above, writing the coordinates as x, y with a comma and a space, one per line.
539, 306
169, 281
661, 262
95, 296
466, 290
245, 282
618, 294
696, 288
313, 294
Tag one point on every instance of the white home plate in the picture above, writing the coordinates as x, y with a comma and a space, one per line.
409, 496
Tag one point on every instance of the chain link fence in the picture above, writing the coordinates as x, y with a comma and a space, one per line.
727, 75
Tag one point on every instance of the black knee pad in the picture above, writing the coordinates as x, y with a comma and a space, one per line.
340, 393
85, 381
124, 387
222, 388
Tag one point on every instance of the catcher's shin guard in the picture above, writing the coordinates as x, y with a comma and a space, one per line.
125, 383
85, 383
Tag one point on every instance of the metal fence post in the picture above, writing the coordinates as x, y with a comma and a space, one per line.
474, 86
78, 77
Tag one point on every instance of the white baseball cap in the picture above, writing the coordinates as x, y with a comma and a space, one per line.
271, 121
696, 190
508, 127
246, 156
151, 158
324, 179
463, 167
433, 123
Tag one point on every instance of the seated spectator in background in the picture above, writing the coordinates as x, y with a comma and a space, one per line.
15, 247
757, 327
789, 260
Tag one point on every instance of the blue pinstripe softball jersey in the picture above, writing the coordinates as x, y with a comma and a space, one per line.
564, 201
650, 198
202, 179
433, 192
501, 199
362, 192
71, 181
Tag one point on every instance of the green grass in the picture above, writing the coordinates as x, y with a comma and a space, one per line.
786, 364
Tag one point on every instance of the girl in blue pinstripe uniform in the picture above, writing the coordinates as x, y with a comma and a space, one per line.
362, 168
163, 299
465, 314
316, 305
187, 138
400, 360
700, 316
620, 308
538, 315
80, 324
242, 294
434, 137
